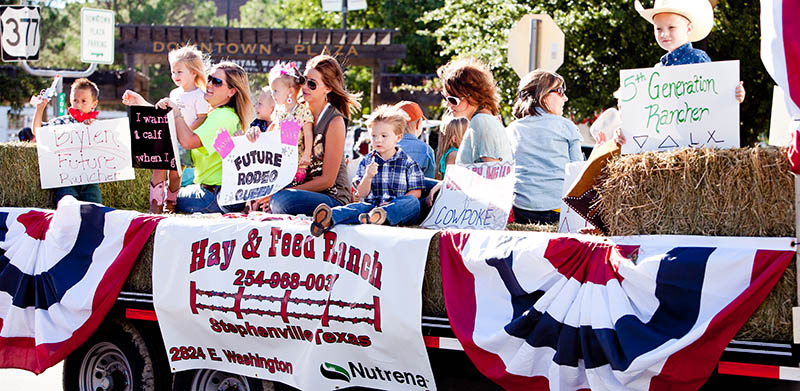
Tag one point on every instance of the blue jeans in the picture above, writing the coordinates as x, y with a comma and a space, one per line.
522, 216
196, 199
403, 209
299, 202
88, 193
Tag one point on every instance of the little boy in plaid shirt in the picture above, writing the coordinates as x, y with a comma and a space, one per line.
388, 182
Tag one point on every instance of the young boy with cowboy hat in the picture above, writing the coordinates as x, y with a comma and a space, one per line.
678, 23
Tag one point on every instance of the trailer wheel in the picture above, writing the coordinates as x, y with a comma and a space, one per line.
115, 358
214, 380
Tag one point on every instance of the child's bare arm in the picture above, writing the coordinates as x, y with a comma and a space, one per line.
41, 104
199, 121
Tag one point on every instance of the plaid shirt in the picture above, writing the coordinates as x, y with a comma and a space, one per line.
62, 120
396, 177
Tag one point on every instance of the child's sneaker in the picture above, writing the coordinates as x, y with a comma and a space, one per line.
156, 198
322, 220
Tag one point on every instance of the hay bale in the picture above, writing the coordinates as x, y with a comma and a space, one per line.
22, 187
730, 192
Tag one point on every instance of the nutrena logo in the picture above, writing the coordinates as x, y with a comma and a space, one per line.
334, 372
358, 370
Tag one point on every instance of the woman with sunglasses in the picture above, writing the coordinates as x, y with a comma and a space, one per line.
542, 142
469, 91
326, 177
228, 95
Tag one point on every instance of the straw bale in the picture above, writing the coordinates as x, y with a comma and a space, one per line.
22, 187
731, 192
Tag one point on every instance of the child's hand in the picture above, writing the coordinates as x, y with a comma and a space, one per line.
39, 101
253, 133
88, 121
372, 170
600, 138
432, 194
619, 138
740, 92
305, 159
166, 103
132, 98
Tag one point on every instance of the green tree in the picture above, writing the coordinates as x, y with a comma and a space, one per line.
602, 37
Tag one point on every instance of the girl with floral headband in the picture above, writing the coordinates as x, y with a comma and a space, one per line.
285, 81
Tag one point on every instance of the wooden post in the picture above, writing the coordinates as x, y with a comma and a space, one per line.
375, 85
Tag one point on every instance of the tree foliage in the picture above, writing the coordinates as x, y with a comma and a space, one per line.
602, 37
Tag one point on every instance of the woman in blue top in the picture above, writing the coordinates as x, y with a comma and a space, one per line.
542, 142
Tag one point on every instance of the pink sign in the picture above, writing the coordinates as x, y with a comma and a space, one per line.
223, 144
290, 131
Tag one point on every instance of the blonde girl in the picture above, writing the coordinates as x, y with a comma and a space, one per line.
187, 69
285, 83
449, 140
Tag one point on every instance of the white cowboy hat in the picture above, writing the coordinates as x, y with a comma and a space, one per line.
699, 13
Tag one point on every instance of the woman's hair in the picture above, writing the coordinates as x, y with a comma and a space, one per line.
236, 78
451, 128
333, 77
470, 79
390, 115
288, 73
532, 89
194, 60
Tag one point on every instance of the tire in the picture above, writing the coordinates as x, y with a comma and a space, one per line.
115, 358
214, 380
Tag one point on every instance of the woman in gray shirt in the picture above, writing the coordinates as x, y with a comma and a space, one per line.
542, 143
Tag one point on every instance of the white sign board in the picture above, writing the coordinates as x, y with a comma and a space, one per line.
477, 196
336, 5
665, 108
97, 36
266, 299
255, 170
570, 221
78, 154
20, 33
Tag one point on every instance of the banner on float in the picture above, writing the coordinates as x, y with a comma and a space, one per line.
252, 170
477, 196
268, 300
154, 141
692, 105
79, 154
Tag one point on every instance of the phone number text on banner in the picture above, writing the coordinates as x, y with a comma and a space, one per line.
268, 300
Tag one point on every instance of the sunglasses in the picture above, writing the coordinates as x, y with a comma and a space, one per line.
217, 82
312, 85
453, 100
561, 91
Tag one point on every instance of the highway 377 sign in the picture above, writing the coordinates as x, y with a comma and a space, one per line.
20, 26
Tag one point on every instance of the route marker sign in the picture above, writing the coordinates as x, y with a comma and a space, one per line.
97, 36
20, 32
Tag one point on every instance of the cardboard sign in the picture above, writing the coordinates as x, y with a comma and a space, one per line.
477, 196
79, 154
268, 300
570, 221
256, 170
154, 142
680, 106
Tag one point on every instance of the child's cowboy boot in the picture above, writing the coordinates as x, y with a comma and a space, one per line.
172, 201
156, 198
